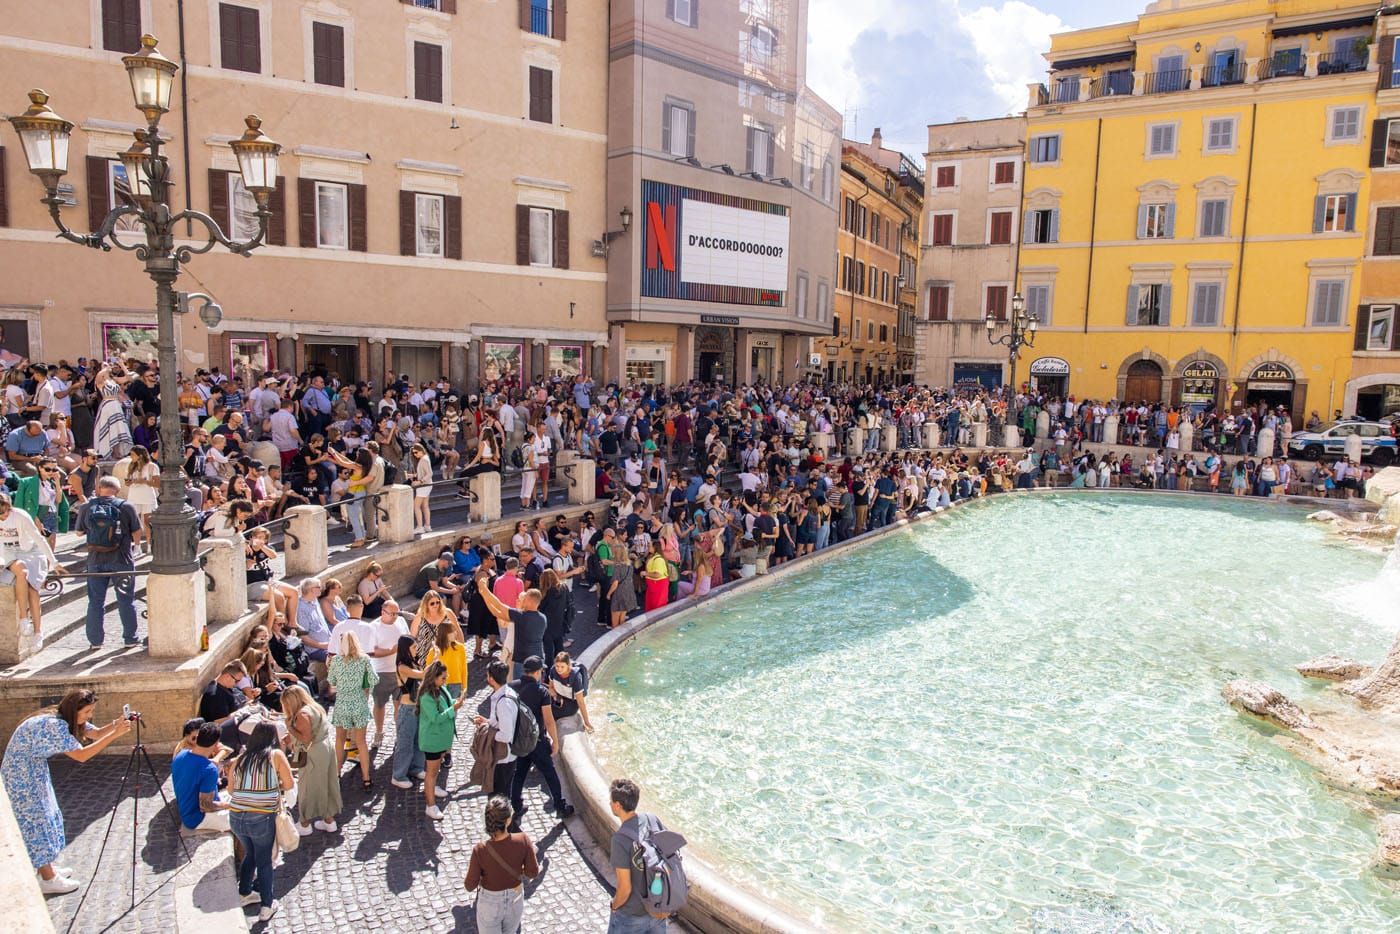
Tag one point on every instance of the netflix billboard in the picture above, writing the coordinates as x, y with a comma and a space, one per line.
703, 246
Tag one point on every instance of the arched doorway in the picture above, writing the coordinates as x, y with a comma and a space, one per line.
1271, 383
1144, 382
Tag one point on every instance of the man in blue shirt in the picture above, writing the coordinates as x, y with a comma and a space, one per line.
882, 512
195, 775
23, 448
314, 631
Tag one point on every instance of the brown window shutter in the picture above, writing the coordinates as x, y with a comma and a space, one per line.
328, 54
525, 15
448, 6
359, 218
121, 25
1363, 326
251, 38
1387, 63
306, 212
427, 72
98, 192
561, 8
561, 239
1380, 130
4, 201
408, 224
452, 220
228, 36
522, 235
218, 199
277, 223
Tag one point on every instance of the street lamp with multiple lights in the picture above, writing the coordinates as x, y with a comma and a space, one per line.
1022, 334
44, 136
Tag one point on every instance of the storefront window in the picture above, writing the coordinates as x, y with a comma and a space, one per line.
248, 358
503, 362
14, 342
566, 360
129, 342
646, 371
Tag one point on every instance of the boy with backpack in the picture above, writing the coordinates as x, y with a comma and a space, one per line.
645, 856
108, 524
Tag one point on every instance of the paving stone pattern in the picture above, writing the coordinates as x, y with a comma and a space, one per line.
389, 868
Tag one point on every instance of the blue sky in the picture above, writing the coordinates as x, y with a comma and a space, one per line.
903, 64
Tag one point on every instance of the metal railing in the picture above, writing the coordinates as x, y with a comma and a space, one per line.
1340, 63
1167, 82
1067, 92
1215, 76
1112, 85
1281, 67
540, 17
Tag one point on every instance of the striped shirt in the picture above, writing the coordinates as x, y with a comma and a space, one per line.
259, 792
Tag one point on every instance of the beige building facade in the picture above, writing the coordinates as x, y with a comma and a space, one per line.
722, 191
972, 218
443, 173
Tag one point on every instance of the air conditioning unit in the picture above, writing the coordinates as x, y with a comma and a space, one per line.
600, 249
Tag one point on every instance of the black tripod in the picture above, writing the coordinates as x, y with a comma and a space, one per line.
133, 773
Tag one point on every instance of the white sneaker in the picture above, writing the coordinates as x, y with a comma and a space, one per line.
420, 775
441, 791
432, 812
59, 885
303, 830
327, 825
401, 783
267, 913
252, 898
62, 870
417, 530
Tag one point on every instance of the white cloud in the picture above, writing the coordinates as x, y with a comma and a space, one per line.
1010, 40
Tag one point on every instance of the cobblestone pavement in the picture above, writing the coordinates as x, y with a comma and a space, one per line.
389, 868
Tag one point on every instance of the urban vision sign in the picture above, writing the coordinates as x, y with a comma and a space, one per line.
704, 246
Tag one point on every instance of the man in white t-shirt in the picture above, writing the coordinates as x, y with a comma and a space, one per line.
356, 623
285, 436
382, 649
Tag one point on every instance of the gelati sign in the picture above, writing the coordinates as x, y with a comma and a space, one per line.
1050, 366
1200, 369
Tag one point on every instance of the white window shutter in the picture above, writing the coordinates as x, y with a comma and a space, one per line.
1171, 221
1131, 318
1165, 312
1142, 222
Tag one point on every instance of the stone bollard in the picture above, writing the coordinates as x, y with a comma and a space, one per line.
1042, 424
823, 442
855, 441
486, 496
307, 549
1011, 437
979, 434
1110, 429
1187, 431
564, 458
889, 438
1264, 444
176, 607
397, 500
265, 452
17, 640
581, 480
930, 432
1352, 445
227, 570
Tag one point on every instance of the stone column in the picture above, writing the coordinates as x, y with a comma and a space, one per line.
598, 364
1042, 424
1196, 71
931, 435
397, 500
855, 441
889, 437
473, 378
1011, 437
1251, 70
1188, 435
1139, 83
457, 364
486, 501
176, 605
1310, 70
286, 352
683, 360
17, 639
306, 548
1110, 429
227, 570
377, 362
538, 359
979, 434
581, 477
1264, 444
822, 441
617, 353
743, 359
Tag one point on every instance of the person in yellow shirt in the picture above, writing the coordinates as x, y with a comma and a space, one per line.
449, 649
657, 575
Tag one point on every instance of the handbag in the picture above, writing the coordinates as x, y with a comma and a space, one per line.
287, 837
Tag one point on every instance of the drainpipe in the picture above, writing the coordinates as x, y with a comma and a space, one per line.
185, 112
1244, 235
1093, 224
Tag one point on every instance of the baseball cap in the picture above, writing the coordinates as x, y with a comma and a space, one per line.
532, 663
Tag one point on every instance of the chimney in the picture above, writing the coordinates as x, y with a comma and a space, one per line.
875, 139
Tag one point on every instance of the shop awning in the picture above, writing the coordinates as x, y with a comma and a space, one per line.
1354, 22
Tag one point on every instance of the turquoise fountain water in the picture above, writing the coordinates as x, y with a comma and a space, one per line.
1010, 720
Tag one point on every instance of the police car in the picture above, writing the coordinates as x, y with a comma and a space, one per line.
1377, 442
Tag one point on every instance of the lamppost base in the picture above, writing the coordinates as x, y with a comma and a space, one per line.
174, 539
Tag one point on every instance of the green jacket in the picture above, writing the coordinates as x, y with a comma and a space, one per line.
437, 722
27, 499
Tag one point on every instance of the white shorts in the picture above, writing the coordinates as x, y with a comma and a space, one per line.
527, 483
422, 492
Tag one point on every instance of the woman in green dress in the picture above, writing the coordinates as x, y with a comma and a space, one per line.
352, 675
318, 779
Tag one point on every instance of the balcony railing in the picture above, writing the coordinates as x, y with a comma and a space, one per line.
1215, 76
539, 18
1067, 92
1281, 66
1114, 84
1166, 82
1340, 63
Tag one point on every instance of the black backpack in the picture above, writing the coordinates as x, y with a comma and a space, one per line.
527, 729
517, 457
104, 525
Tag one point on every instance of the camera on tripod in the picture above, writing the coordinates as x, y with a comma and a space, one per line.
129, 714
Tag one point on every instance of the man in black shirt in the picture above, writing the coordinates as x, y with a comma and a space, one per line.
534, 696
222, 702
144, 393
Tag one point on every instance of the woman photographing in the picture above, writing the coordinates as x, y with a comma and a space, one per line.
67, 730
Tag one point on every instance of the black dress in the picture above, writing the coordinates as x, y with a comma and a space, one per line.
481, 623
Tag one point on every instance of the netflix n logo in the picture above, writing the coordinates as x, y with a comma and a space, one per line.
661, 236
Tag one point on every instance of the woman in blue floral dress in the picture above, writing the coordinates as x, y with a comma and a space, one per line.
67, 730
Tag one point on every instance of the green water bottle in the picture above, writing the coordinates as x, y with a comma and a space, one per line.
656, 885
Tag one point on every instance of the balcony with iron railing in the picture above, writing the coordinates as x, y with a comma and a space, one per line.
540, 15
1166, 82
1340, 63
1066, 90
1214, 76
1113, 84
1285, 65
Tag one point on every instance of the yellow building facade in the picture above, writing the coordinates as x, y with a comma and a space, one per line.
1195, 201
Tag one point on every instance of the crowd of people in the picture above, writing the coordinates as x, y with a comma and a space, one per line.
705, 484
